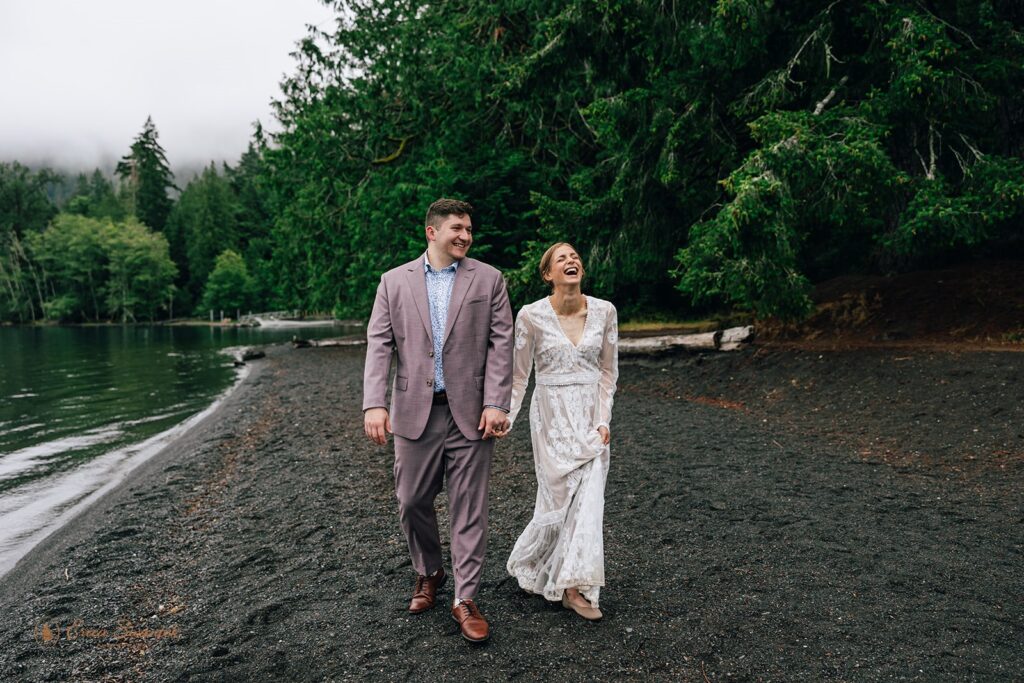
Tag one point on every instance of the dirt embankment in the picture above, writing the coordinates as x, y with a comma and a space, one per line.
979, 304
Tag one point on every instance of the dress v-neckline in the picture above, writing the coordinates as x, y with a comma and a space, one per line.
586, 321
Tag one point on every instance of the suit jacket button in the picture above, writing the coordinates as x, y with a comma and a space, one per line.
431, 354
430, 382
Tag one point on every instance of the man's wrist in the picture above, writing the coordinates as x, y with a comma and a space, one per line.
504, 410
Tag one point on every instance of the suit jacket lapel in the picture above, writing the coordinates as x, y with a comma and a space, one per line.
418, 284
463, 279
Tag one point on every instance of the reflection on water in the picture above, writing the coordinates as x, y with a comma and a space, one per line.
80, 406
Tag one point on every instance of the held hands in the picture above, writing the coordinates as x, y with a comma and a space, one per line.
605, 434
377, 425
494, 423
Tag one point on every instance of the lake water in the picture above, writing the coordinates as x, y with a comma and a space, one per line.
81, 406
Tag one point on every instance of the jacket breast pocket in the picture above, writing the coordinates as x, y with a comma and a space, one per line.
478, 300
401, 383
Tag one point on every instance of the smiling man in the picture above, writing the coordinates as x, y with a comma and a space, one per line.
448, 320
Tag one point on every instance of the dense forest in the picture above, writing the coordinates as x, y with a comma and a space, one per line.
724, 154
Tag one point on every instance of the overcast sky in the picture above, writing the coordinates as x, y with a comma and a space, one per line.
78, 78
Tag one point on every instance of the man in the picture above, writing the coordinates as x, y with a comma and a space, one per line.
448, 319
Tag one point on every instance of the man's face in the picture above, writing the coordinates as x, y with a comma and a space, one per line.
452, 236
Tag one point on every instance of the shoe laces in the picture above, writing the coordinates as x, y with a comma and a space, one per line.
471, 609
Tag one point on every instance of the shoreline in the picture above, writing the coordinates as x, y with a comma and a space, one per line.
75, 522
772, 514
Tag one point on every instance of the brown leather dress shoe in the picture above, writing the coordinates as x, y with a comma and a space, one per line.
425, 594
474, 627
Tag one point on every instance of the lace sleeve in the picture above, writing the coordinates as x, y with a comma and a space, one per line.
608, 364
522, 362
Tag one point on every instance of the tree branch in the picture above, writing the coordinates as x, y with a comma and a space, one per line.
828, 98
397, 153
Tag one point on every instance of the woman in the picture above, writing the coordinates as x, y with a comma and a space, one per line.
573, 341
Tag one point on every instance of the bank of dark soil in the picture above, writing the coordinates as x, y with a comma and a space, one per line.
973, 303
771, 515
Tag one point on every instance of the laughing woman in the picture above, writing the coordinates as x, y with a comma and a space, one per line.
572, 339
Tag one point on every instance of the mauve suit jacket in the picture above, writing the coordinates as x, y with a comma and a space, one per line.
477, 347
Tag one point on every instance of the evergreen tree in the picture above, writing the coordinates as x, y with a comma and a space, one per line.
146, 178
738, 150
203, 224
255, 216
95, 197
24, 211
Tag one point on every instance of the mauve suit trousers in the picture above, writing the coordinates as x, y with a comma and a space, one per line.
421, 467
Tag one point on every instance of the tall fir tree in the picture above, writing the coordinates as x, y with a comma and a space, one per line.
146, 177
203, 224
255, 216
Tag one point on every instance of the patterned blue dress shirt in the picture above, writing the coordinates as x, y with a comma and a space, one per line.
439, 294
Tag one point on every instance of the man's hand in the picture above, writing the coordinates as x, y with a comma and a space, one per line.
377, 425
605, 434
493, 422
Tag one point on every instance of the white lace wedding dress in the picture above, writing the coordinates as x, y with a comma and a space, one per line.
562, 547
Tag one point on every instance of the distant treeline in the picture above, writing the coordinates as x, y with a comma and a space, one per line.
129, 252
727, 153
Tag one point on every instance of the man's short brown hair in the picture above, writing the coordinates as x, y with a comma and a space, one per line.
443, 208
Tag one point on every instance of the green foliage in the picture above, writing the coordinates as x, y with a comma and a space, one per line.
73, 252
142, 274
698, 155
97, 269
24, 210
987, 204
901, 142
203, 223
255, 218
229, 287
735, 151
146, 178
95, 197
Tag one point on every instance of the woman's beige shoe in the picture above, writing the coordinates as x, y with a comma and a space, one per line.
581, 607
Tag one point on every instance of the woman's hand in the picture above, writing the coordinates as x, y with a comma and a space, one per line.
605, 434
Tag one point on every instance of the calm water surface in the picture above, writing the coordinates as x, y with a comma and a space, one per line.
80, 406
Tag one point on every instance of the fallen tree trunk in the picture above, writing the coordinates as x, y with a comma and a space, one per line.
243, 355
707, 341
735, 337
306, 343
721, 340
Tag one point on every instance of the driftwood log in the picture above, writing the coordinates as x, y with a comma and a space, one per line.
243, 355
735, 337
721, 340
306, 343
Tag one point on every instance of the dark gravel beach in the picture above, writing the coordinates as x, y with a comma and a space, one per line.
772, 514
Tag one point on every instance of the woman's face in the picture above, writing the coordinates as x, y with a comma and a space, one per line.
566, 267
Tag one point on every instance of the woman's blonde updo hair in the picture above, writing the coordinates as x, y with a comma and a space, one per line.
545, 260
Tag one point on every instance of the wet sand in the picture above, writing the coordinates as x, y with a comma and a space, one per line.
771, 514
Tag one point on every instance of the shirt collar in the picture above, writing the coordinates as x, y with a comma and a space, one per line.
427, 268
